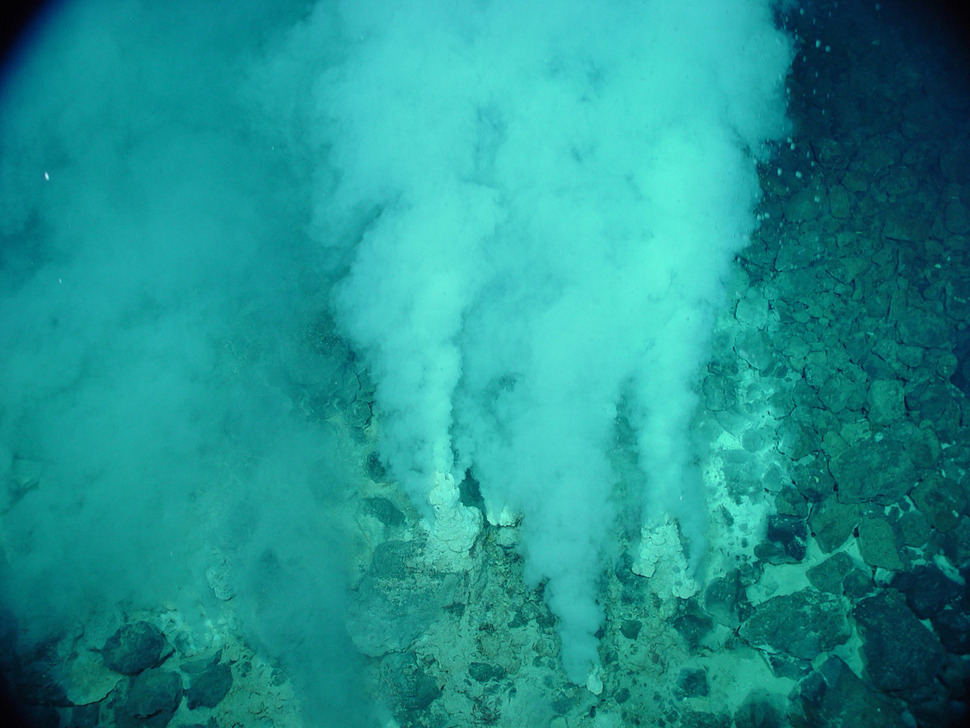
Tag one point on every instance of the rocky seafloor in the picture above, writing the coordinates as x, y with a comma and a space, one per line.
835, 407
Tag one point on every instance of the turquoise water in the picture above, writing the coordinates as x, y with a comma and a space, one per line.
382, 363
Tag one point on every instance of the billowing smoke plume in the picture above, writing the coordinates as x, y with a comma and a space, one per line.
156, 298
520, 214
539, 207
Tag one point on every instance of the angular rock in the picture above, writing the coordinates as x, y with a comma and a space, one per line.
840, 202
921, 329
832, 523
900, 652
874, 470
796, 440
877, 544
209, 686
834, 696
941, 500
812, 480
831, 153
927, 590
828, 575
135, 647
803, 624
886, 404
756, 349
752, 310
857, 584
790, 502
844, 390
914, 529
934, 403
802, 206
155, 694
88, 679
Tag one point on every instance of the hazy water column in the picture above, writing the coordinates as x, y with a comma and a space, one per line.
539, 206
